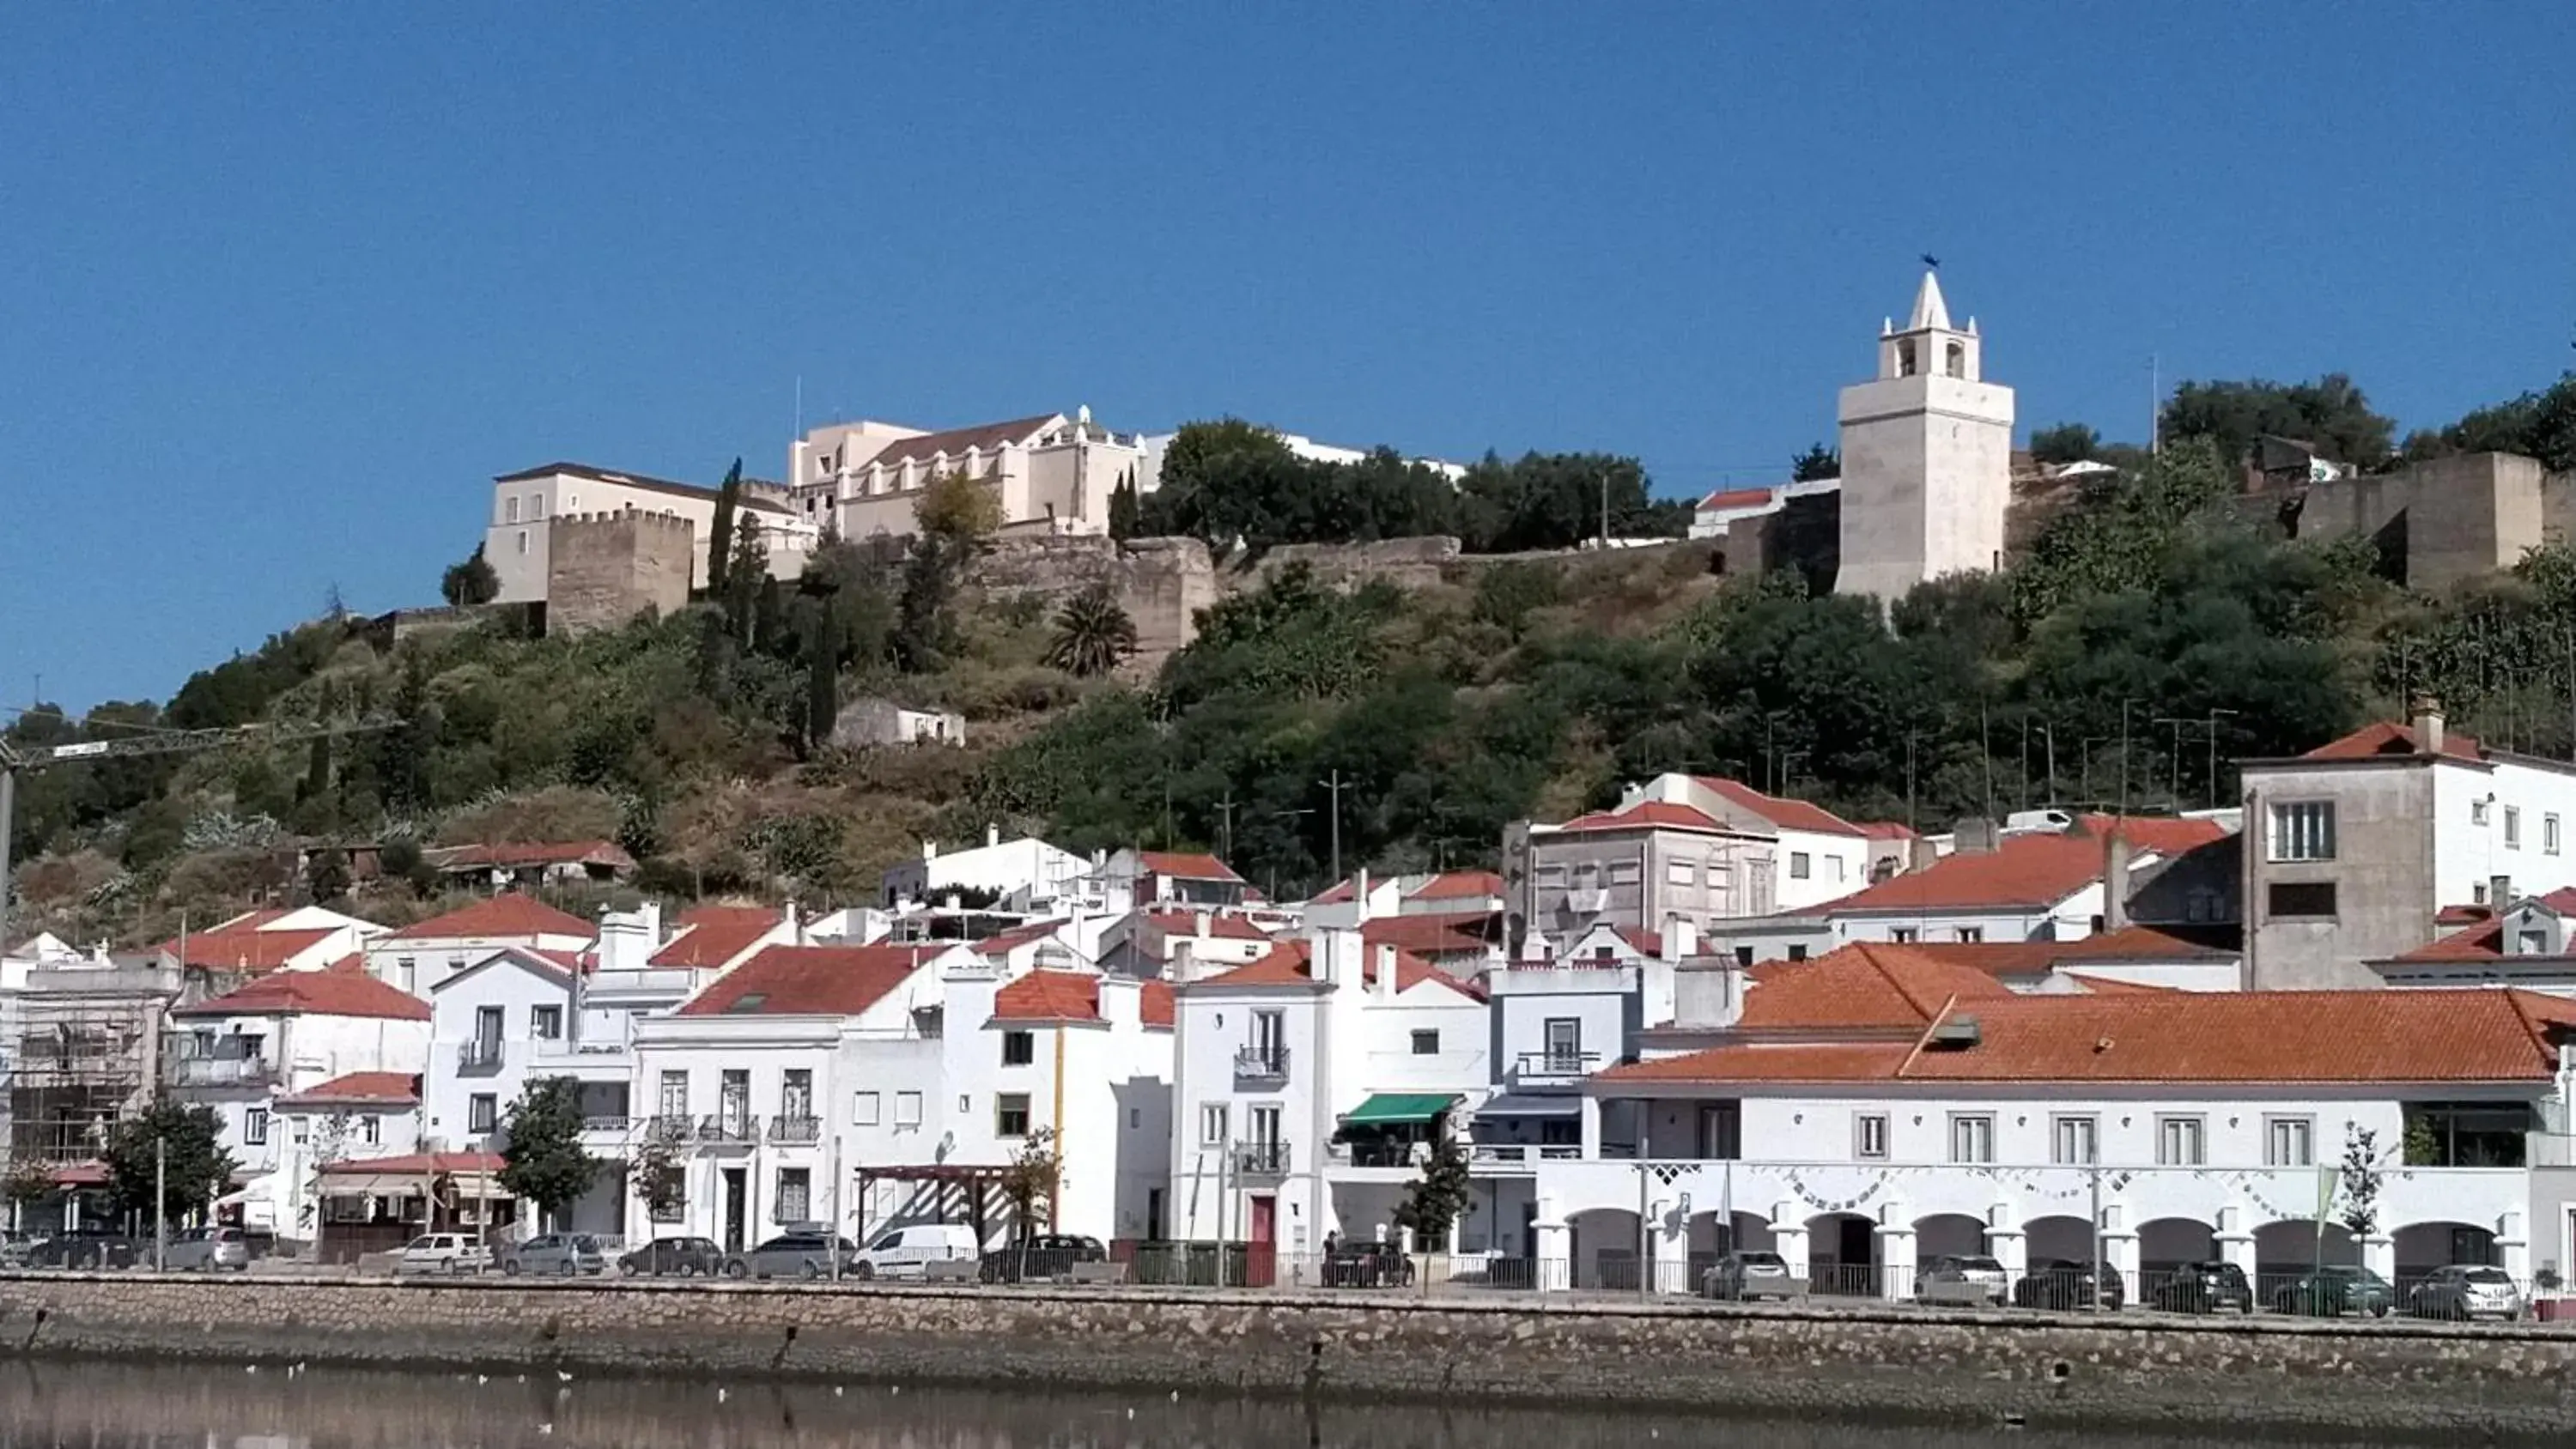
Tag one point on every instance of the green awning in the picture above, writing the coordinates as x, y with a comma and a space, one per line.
1395, 1109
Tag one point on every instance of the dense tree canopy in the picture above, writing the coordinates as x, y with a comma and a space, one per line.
2329, 413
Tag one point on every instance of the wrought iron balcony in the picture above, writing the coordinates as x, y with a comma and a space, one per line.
1259, 1063
1261, 1159
795, 1129
608, 1126
669, 1128
221, 1072
728, 1127
1554, 1066
479, 1056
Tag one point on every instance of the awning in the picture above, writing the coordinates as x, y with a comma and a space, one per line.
1523, 1104
1397, 1109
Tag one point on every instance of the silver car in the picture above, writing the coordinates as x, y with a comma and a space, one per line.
1963, 1278
555, 1255
2466, 1291
1743, 1276
208, 1250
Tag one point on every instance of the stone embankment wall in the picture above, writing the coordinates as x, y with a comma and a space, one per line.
2042, 1369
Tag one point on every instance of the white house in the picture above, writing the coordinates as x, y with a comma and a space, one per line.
1173, 879
418, 957
1157, 942
1049, 473
799, 1063
1306, 1084
1866, 1111
283, 1033
518, 538
1025, 870
306, 938
2027, 886
348, 1118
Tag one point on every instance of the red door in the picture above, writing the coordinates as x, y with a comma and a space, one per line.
1261, 1259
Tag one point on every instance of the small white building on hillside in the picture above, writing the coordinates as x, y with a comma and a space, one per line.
418, 957
1025, 873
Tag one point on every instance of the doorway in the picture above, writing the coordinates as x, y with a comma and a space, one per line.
735, 1209
1153, 1215
1261, 1261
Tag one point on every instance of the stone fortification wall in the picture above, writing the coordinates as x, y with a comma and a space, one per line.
603, 569
2064, 1368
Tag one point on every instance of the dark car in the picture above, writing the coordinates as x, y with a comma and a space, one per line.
2065, 1283
1367, 1265
2335, 1290
88, 1248
798, 1254
1043, 1257
2205, 1288
673, 1258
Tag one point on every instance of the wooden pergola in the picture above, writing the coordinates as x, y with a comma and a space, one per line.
975, 1188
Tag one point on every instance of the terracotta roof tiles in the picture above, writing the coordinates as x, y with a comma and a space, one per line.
313, 993
810, 981
245, 950
2387, 739
1289, 964
984, 438
1866, 984
510, 916
1646, 815
711, 936
1782, 813
1186, 865
359, 1088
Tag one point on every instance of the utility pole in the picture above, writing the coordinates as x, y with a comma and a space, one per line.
2174, 770
1910, 822
1335, 785
2124, 757
1986, 748
1605, 510
2214, 716
2155, 406
2048, 737
160, 1202
1225, 827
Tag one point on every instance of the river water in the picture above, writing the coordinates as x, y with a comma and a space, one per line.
49, 1405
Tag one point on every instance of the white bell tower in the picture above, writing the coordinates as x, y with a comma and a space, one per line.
1927, 457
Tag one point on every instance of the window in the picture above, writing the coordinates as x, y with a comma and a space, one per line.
371, 1131
1972, 1137
2513, 827
1972, 934
1551, 875
1869, 1136
2549, 834
1019, 1048
2478, 894
2478, 811
1955, 361
303, 1130
1212, 1125
1680, 873
1743, 955
1903, 935
2289, 1142
2179, 1142
487, 1024
1799, 865
482, 1112
510, 509
1904, 357
2075, 1141
675, 1096
1011, 1114
863, 1109
796, 1094
795, 1198
523, 543
2532, 943
545, 1023
255, 1126
407, 974
2303, 830
1564, 1044
1135, 1119
1623, 872
536, 508
1426, 1043
1833, 867
907, 1109
2304, 898
1264, 1122
1797, 952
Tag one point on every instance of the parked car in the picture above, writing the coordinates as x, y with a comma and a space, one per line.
1744, 1276
2065, 1283
2466, 1291
794, 1254
87, 1248
1367, 1263
2335, 1290
673, 1257
1047, 1255
2205, 1288
443, 1253
1962, 1278
903, 1252
207, 1250
559, 1255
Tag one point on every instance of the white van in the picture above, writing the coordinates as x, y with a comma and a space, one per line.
443, 1253
904, 1252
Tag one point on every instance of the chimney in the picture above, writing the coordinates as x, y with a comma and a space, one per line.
2499, 891
1199, 925
929, 850
2428, 725
1681, 938
1360, 895
796, 925
1387, 985
992, 835
1921, 854
2115, 881
1974, 836
1183, 967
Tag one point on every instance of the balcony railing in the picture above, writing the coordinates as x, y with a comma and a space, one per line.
478, 1055
1378, 1154
795, 1129
608, 1126
728, 1127
670, 1128
1525, 1152
1261, 1064
1554, 1066
221, 1072
1261, 1159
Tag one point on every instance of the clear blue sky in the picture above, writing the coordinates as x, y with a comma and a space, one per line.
282, 286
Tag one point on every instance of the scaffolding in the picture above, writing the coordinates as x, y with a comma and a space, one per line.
83, 1045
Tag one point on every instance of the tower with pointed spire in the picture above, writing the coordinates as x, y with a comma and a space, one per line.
1927, 457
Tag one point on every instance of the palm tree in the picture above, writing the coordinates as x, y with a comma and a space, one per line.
1091, 633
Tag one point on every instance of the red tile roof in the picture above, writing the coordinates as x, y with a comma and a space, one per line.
1457, 885
1886, 829
1074, 996
1185, 865
423, 1163
2154, 943
2481, 942
1186, 923
2164, 834
810, 981
2387, 739
510, 916
391, 1088
313, 993
1423, 935
1289, 964
710, 936
2186, 1036
2113, 986
1783, 814
245, 950
2028, 869
1640, 940
984, 437
1650, 814
553, 852
1726, 498
1004, 942
1866, 984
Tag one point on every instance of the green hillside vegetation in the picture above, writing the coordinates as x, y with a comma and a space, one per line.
1514, 688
